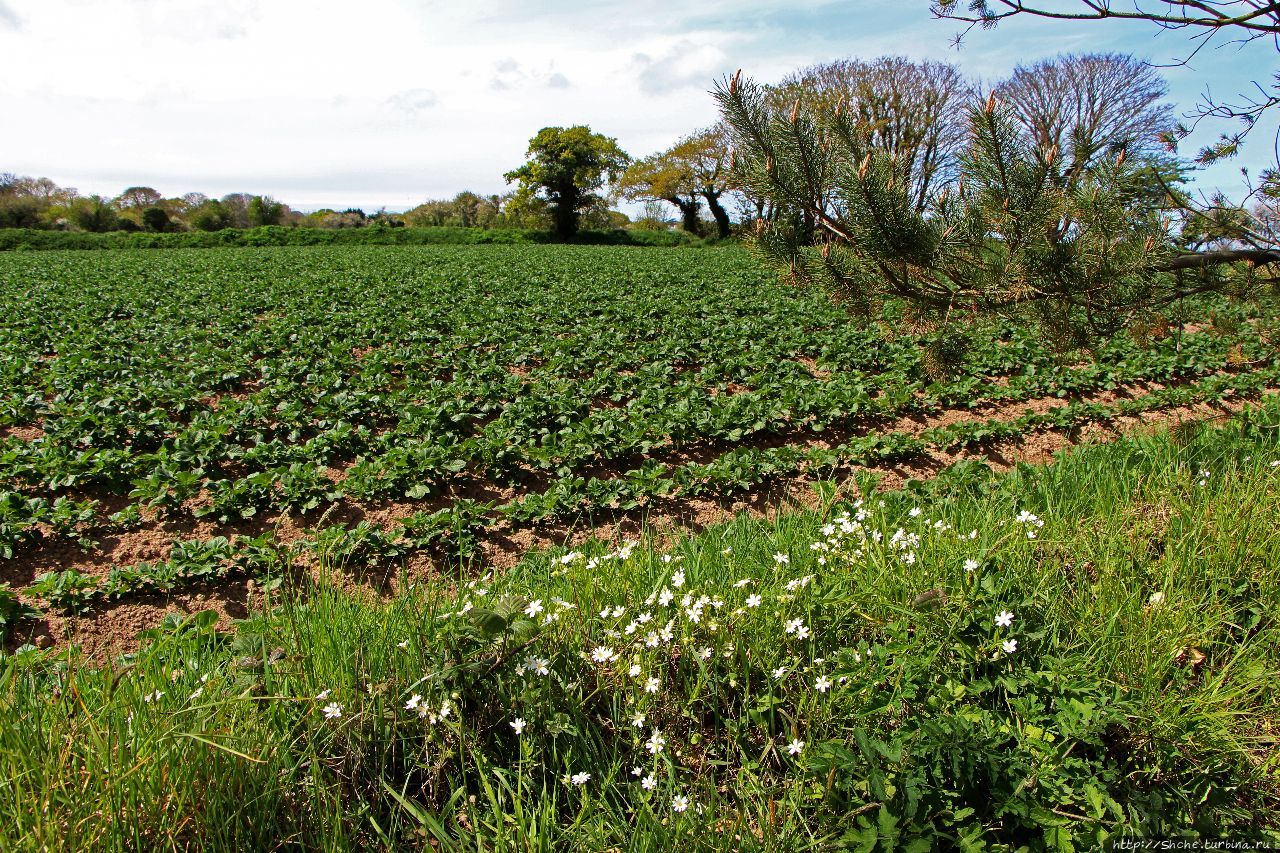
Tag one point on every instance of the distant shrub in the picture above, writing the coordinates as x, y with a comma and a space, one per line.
278, 235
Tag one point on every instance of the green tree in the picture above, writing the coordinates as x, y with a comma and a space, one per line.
27, 202
694, 170
662, 177
465, 210
155, 219
210, 215
264, 210
525, 208
94, 213
565, 168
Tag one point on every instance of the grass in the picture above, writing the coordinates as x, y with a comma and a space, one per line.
1138, 579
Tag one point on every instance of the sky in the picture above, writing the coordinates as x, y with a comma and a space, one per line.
386, 103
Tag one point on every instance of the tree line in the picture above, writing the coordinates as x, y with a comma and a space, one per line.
913, 120
915, 111
575, 177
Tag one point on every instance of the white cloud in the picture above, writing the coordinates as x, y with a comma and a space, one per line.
8, 18
391, 101
508, 75
413, 100
684, 64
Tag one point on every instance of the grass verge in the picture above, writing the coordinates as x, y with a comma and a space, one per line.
1040, 660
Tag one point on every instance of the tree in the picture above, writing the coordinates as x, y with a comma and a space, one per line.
20, 212
1023, 232
600, 217
1091, 106
524, 208
155, 219
694, 170
565, 167
707, 153
237, 207
382, 218
1226, 232
210, 215
465, 210
264, 210
663, 177
27, 202
94, 213
137, 198
916, 112
332, 219
1202, 21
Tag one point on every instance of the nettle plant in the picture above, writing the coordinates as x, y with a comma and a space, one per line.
1079, 245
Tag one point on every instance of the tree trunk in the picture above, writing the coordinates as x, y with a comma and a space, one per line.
564, 213
718, 212
688, 212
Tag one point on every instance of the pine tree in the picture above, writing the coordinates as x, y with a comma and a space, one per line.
1080, 249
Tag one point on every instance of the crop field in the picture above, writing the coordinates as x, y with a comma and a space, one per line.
174, 422
375, 548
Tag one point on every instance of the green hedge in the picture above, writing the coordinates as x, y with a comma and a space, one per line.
17, 239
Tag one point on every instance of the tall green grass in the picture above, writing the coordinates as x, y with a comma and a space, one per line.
841, 678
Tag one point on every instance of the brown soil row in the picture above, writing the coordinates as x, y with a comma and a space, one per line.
153, 542
111, 630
